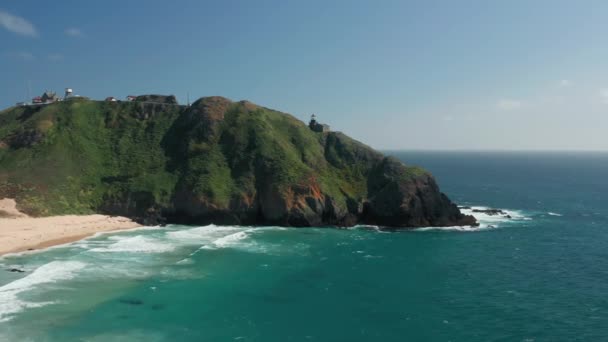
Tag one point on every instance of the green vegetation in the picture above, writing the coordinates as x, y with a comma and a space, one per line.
89, 152
83, 156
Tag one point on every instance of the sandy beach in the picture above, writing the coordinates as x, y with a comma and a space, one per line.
19, 232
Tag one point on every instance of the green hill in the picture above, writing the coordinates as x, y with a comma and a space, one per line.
216, 161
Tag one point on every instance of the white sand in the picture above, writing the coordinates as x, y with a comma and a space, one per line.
19, 232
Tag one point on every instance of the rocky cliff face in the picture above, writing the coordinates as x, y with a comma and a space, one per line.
164, 99
217, 161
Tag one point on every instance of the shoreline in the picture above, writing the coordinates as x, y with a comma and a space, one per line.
34, 234
21, 233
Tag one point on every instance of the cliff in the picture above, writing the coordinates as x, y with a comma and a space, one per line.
217, 161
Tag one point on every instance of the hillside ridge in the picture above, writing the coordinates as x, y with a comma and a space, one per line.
216, 161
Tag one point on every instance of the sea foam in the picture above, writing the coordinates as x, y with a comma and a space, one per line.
135, 244
230, 240
219, 237
201, 235
55, 271
485, 220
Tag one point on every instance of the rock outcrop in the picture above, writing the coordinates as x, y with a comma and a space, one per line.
164, 99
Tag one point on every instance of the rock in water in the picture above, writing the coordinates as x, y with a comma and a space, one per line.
217, 161
492, 212
16, 270
132, 301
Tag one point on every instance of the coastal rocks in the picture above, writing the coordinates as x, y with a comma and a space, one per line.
205, 116
491, 212
164, 99
24, 138
402, 197
140, 206
488, 211
149, 106
147, 110
190, 208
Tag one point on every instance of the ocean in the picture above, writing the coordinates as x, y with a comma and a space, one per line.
540, 275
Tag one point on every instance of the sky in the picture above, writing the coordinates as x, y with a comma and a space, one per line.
439, 75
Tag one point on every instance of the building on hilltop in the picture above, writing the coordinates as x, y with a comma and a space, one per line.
131, 98
316, 126
49, 97
111, 99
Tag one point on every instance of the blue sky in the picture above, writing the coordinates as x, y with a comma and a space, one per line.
394, 74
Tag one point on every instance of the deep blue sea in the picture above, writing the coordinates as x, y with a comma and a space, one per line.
541, 275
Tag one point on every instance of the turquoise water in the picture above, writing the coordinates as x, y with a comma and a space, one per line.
540, 276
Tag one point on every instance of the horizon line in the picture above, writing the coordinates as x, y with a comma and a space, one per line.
492, 150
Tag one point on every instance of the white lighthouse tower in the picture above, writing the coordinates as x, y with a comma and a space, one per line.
68, 92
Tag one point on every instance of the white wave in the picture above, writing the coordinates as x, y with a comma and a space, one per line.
199, 235
10, 303
241, 240
270, 228
366, 227
135, 244
186, 261
485, 220
217, 237
118, 232
455, 228
481, 216
230, 240
554, 214
212, 237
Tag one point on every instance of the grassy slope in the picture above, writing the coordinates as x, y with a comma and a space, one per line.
94, 153
91, 150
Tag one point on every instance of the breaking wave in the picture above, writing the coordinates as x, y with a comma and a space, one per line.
135, 244
201, 235
230, 240
10, 301
486, 218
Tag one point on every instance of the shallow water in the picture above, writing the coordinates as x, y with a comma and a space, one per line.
540, 276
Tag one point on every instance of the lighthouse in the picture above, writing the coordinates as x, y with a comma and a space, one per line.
68, 93
316, 126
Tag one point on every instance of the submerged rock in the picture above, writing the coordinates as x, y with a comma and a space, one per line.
16, 270
131, 301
